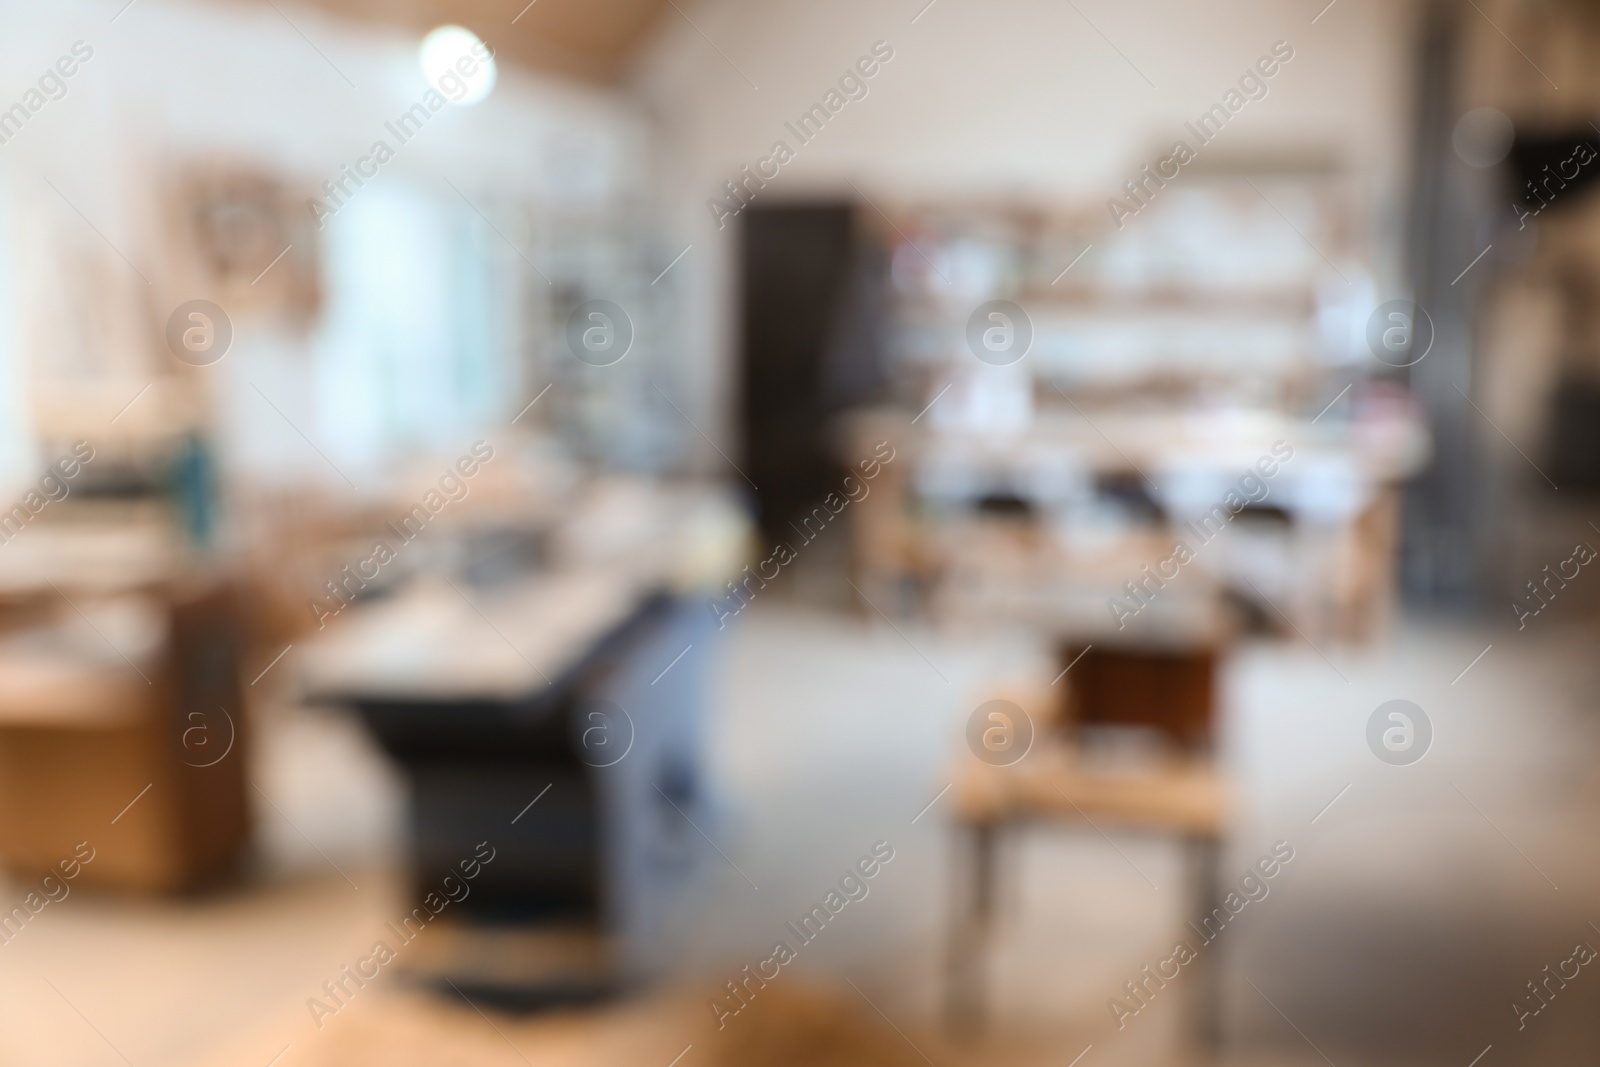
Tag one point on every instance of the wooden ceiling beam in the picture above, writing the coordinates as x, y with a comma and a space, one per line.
589, 40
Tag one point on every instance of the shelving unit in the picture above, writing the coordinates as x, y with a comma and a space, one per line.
1165, 360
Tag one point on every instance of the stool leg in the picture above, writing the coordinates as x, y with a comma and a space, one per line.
1206, 1004
972, 914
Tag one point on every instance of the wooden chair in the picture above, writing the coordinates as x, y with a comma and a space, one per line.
1178, 794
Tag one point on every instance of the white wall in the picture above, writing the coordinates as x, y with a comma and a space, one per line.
174, 83
171, 78
998, 97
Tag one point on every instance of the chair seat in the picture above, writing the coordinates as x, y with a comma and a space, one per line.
1183, 795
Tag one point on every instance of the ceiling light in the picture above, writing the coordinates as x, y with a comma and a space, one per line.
458, 64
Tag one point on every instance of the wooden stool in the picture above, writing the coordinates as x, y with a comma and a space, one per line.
1179, 794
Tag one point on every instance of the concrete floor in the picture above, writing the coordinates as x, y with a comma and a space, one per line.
1416, 907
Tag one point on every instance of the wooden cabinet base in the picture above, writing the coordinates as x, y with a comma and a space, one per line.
149, 772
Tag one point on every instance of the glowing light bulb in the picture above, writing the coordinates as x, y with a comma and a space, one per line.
458, 64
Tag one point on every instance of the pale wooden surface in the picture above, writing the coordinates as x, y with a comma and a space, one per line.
1184, 795
442, 641
67, 696
78, 666
87, 557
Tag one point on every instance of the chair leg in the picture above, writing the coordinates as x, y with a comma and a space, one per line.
1206, 1003
972, 914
